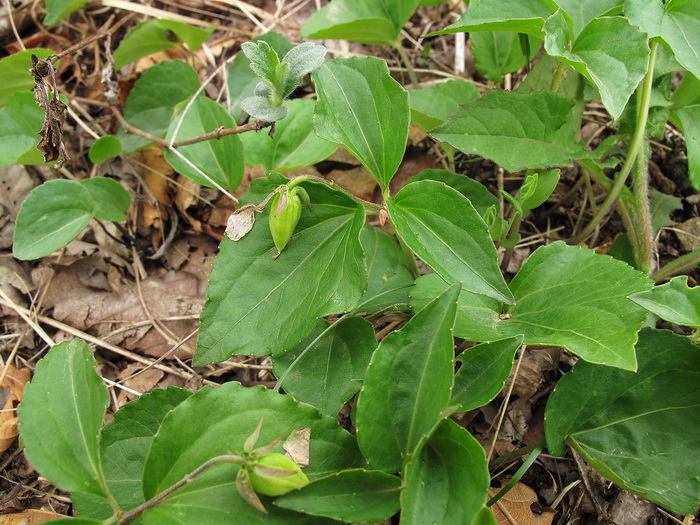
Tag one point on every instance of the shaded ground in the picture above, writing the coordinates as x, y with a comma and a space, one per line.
136, 294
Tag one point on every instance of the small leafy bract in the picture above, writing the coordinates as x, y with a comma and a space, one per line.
61, 416
362, 108
637, 429
53, 215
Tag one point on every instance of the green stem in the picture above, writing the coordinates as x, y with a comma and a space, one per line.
514, 227
538, 448
370, 207
406, 62
557, 78
635, 147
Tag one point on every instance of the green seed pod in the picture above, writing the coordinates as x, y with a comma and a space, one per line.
269, 475
285, 213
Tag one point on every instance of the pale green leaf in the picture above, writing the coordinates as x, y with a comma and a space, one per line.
365, 110
320, 272
442, 227
57, 10
640, 430
407, 385
14, 71
20, 123
50, 217
516, 131
674, 302
61, 416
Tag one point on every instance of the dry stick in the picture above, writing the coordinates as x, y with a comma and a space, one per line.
10, 15
91, 39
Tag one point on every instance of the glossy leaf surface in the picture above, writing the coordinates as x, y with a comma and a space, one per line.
358, 496
447, 480
407, 385
294, 144
332, 365
51, 216
564, 296
365, 110
321, 272
213, 422
442, 227
637, 429
222, 159
61, 416
516, 131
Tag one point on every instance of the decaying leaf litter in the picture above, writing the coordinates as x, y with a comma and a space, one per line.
135, 292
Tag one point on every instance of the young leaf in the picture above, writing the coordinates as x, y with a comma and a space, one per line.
443, 228
564, 296
675, 22
222, 159
674, 302
61, 416
516, 131
388, 275
294, 145
447, 480
480, 197
111, 199
358, 496
332, 368
483, 372
213, 422
124, 445
523, 16
321, 272
14, 71
151, 103
431, 107
610, 52
637, 429
152, 36
365, 110
20, 122
364, 21
104, 148
57, 10
407, 385
543, 184
53, 215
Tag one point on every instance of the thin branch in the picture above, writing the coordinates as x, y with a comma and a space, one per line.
91, 39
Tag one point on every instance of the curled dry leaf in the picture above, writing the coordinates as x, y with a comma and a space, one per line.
51, 143
240, 222
297, 446
11, 392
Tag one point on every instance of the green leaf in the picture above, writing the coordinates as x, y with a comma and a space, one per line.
610, 52
389, 278
213, 422
564, 296
364, 21
20, 122
261, 108
124, 445
242, 80
14, 71
447, 481
321, 272
483, 373
581, 13
674, 302
441, 226
637, 429
51, 216
480, 197
110, 198
523, 16
104, 148
688, 119
60, 418
543, 184
407, 385
152, 36
365, 110
431, 107
662, 206
294, 145
57, 10
358, 496
676, 24
222, 159
151, 103
328, 367
516, 131
497, 53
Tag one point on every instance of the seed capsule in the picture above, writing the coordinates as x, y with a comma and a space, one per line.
285, 213
275, 474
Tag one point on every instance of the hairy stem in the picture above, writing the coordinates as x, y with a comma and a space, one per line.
644, 249
557, 78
